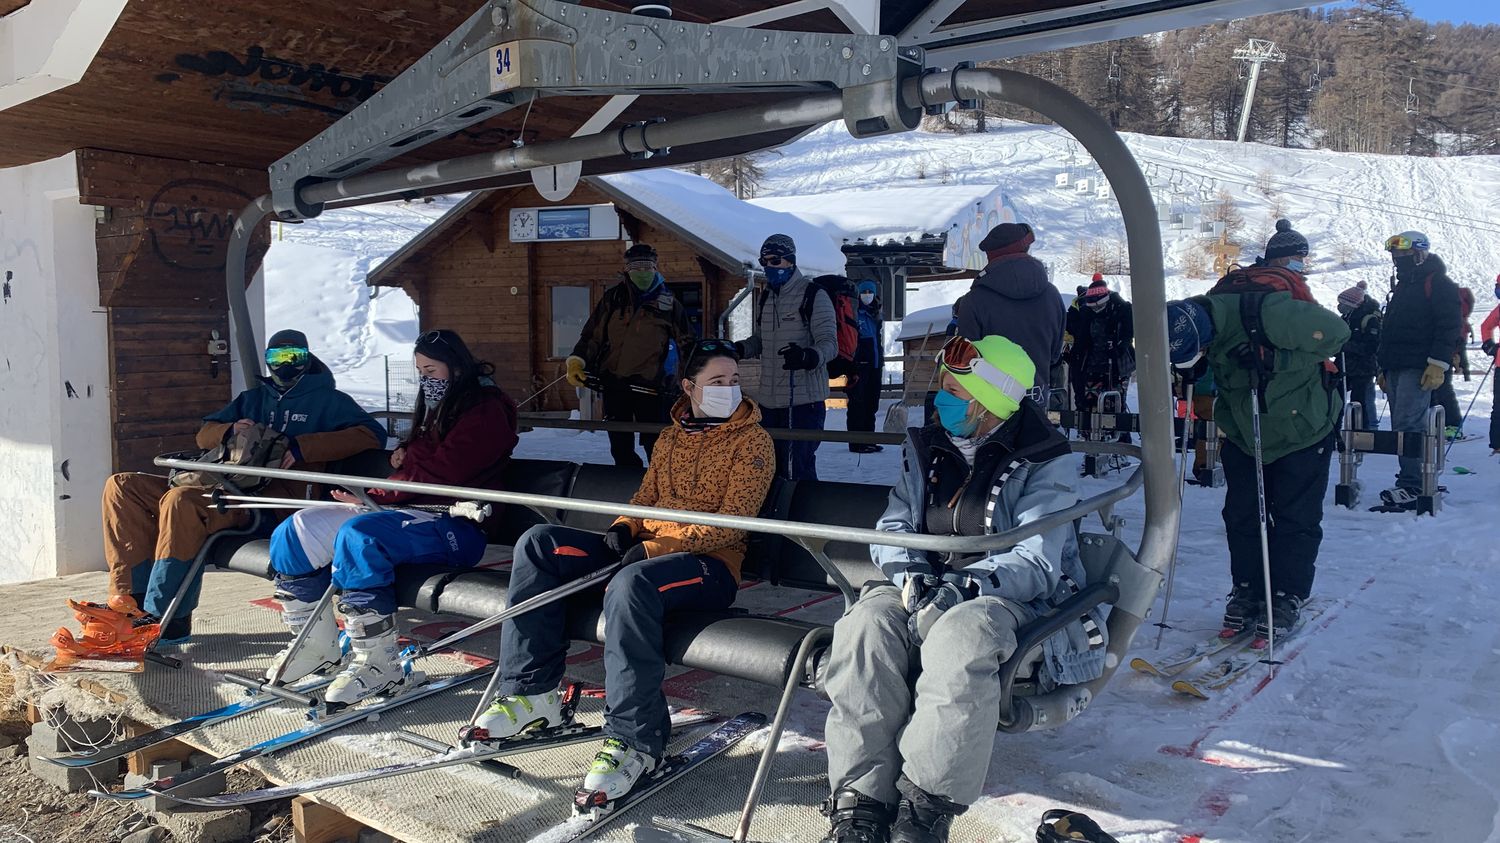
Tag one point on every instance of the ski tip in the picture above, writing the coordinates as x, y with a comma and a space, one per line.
1189, 689
1140, 665
74, 761
121, 795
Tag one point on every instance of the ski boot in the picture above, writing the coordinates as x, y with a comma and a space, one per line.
108, 631
512, 714
1286, 612
1241, 610
922, 817
1060, 825
377, 667
856, 818
615, 771
1397, 500
324, 648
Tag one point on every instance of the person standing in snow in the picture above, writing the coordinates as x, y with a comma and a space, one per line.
1012, 298
463, 432
1487, 330
1103, 355
1358, 360
869, 361
714, 457
627, 343
1423, 325
796, 335
905, 758
1298, 411
153, 529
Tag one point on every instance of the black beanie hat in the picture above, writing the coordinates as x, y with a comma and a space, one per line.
287, 338
1286, 242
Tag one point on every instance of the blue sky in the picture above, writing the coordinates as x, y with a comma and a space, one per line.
1455, 11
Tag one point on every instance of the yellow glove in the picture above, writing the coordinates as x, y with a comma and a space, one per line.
575, 370
1432, 376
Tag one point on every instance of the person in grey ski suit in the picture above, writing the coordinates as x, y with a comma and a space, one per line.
796, 334
991, 463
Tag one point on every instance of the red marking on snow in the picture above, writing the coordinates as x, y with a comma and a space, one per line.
822, 598
592, 654
1216, 801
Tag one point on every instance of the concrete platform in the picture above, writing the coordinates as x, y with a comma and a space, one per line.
237, 628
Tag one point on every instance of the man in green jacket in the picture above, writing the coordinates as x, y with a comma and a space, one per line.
1298, 412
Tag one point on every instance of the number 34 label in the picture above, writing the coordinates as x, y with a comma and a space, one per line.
505, 72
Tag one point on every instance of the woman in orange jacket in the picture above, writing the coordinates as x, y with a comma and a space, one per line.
715, 457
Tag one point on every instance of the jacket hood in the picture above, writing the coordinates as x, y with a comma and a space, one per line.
1018, 277
746, 414
316, 379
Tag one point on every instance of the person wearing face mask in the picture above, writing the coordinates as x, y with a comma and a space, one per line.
905, 757
1423, 324
1358, 361
795, 337
463, 432
869, 360
714, 457
152, 530
625, 344
1103, 354
1487, 344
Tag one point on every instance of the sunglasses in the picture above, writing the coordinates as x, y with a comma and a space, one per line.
288, 355
774, 261
431, 337
711, 347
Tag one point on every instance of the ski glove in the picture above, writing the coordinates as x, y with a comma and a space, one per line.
633, 555
795, 357
1489, 347
1432, 376
619, 539
927, 598
575, 373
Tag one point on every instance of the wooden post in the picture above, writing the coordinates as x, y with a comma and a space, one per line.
315, 823
140, 762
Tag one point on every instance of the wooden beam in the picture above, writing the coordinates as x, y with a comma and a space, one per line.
483, 224
316, 823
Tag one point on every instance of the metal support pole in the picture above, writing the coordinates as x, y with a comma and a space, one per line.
235, 283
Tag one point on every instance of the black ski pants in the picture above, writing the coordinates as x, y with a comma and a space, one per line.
1295, 486
864, 398
1495, 413
624, 403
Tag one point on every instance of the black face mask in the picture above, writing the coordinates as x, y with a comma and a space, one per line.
285, 376
1406, 267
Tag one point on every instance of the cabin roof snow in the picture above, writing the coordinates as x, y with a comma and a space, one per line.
883, 214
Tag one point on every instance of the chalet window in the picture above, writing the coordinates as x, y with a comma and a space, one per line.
570, 309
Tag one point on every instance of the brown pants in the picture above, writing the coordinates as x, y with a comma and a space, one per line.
146, 520
1203, 408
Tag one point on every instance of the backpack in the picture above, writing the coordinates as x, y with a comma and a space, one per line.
256, 446
844, 297
1263, 279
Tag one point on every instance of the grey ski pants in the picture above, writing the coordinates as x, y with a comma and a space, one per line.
939, 731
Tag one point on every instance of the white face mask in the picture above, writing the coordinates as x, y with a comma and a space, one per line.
718, 402
866, 298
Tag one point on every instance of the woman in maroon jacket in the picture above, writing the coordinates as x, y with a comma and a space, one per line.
462, 435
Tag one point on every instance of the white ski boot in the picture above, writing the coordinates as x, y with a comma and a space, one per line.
616, 769
377, 666
513, 714
324, 648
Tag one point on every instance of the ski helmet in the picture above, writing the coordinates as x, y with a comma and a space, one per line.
1408, 240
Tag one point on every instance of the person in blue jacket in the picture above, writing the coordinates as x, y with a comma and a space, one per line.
153, 530
869, 359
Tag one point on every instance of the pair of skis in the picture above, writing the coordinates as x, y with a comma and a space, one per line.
1229, 658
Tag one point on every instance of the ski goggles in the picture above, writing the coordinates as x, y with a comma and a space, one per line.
1403, 243
287, 355
958, 356
962, 358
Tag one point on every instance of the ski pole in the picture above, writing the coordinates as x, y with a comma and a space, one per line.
1465, 417
536, 602
533, 396
1187, 427
1260, 493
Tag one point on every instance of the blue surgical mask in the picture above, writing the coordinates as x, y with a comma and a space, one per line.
953, 414
778, 275
1297, 265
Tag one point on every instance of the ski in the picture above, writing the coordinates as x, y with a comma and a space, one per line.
590, 817
1229, 670
314, 729
1179, 661
99, 755
553, 738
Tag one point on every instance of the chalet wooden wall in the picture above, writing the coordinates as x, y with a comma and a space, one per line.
464, 278
161, 276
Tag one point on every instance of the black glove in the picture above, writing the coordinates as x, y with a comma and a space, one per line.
1255, 358
634, 554
928, 597
1489, 347
619, 539
794, 356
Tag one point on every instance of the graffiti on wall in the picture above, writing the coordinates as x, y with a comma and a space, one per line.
189, 223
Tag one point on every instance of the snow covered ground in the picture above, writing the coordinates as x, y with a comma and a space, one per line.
1384, 722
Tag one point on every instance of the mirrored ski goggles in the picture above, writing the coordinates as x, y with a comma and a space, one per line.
287, 355
1402, 243
958, 356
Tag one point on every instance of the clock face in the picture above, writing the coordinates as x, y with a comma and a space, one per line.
523, 225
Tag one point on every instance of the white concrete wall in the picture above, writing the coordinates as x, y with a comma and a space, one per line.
54, 376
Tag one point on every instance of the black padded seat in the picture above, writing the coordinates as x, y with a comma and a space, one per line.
601, 483
836, 504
